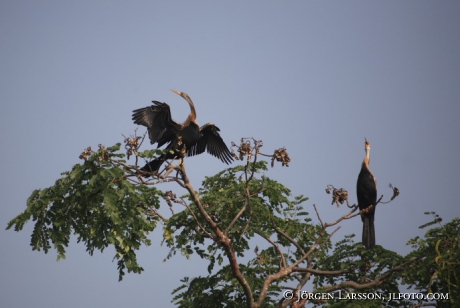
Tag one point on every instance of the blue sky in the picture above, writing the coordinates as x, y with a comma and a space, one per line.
313, 76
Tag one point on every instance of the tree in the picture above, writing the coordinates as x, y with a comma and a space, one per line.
238, 214
439, 270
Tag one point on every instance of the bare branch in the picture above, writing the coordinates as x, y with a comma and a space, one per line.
197, 221
156, 213
219, 237
319, 272
376, 282
290, 239
395, 194
287, 271
237, 216
313, 247
283, 260
317, 214
248, 194
305, 278
346, 216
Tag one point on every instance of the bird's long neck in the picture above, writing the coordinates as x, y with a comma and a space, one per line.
367, 158
192, 116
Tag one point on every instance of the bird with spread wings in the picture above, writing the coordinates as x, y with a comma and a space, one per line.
186, 139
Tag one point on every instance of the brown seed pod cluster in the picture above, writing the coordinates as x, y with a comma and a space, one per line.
281, 155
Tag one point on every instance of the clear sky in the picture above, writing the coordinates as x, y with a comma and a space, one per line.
313, 76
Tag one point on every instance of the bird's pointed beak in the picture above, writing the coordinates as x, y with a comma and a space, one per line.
177, 92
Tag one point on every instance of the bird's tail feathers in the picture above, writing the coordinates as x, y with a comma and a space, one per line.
368, 233
153, 166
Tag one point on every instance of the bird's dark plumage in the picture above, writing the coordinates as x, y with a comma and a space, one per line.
366, 191
186, 139
157, 119
211, 141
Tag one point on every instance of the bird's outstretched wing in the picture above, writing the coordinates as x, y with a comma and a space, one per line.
211, 141
157, 119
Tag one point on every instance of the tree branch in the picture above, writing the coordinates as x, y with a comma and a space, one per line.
238, 215
197, 221
221, 238
319, 272
290, 239
283, 260
376, 282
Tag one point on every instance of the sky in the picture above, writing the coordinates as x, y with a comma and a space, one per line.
316, 77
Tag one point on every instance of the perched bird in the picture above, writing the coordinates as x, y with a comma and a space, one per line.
366, 190
186, 139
